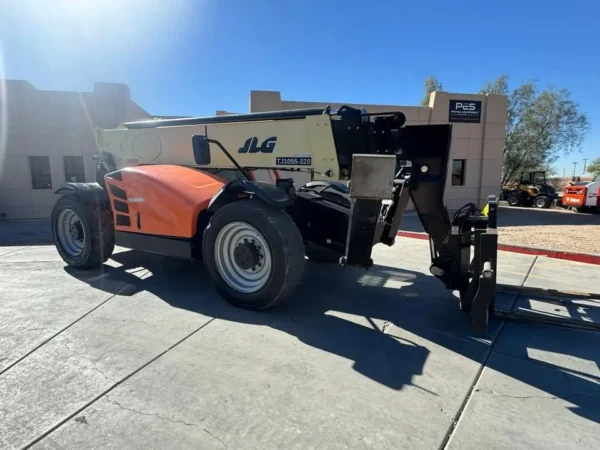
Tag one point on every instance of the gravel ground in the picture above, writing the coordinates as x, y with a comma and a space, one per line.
568, 238
548, 229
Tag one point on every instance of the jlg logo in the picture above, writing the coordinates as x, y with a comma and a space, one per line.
465, 106
251, 145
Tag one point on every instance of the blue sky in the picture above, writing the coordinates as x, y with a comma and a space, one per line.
192, 57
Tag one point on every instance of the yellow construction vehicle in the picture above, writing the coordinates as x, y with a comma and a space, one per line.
186, 188
531, 190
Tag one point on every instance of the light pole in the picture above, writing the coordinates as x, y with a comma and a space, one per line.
584, 164
574, 168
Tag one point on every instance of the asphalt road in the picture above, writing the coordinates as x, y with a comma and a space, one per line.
143, 354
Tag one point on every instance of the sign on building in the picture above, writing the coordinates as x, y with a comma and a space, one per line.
468, 111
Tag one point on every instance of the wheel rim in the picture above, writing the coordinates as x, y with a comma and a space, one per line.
243, 257
513, 201
71, 232
540, 202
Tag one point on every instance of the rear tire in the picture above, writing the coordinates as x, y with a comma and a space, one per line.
270, 237
542, 201
514, 200
83, 233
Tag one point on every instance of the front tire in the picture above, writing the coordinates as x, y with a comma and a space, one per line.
83, 232
254, 254
542, 202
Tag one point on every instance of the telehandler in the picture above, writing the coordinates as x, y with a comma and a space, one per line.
186, 188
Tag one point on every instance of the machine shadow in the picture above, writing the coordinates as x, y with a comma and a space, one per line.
350, 312
25, 232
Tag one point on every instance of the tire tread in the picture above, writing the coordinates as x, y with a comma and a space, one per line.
292, 246
101, 231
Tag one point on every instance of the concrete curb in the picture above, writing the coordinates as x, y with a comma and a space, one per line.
567, 256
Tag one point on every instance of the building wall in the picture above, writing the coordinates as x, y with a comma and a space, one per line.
478, 144
53, 124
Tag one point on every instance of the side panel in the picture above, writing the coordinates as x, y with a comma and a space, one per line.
160, 200
593, 194
301, 144
175, 248
575, 196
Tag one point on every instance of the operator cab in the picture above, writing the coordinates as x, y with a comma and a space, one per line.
533, 178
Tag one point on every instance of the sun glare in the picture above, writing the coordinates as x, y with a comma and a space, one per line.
108, 23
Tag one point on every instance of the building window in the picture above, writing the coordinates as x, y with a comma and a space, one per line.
40, 172
74, 171
458, 172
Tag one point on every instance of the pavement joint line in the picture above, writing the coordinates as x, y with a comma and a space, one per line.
14, 251
6, 369
528, 273
44, 342
28, 262
473, 389
111, 388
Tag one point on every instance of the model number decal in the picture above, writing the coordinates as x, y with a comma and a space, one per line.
293, 161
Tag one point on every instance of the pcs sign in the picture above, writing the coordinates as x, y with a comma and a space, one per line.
465, 111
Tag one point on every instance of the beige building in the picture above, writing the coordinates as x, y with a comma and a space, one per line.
48, 139
479, 123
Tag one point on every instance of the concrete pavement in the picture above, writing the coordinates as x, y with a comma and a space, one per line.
144, 354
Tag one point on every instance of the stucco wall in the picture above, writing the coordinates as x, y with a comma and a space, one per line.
53, 124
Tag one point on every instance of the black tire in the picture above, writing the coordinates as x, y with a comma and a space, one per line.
542, 201
514, 200
284, 240
99, 234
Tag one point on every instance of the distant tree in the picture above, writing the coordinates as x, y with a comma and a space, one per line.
498, 86
432, 84
541, 126
594, 166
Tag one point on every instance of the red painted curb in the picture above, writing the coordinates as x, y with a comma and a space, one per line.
413, 234
567, 256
